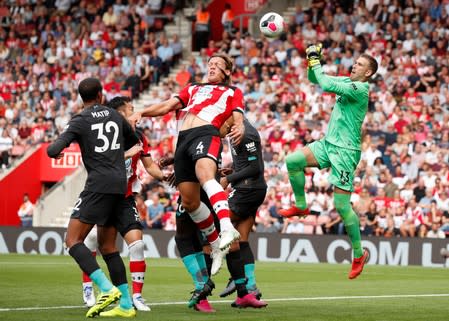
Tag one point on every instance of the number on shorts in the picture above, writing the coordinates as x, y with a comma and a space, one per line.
77, 204
136, 214
344, 177
199, 148
109, 126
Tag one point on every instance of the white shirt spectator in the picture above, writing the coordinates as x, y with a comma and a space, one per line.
370, 155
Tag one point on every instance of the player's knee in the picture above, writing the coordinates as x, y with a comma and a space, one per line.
341, 206
107, 248
136, 250
295, 161
190, 205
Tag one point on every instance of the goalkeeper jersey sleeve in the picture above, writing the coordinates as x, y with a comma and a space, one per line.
345, 125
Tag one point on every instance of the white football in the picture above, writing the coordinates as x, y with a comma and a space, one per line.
271, 25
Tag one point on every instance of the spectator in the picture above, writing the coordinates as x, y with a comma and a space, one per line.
293, 226
6, 144
365, 228
435, 232
202, 27
227, 18
155, 213
25, 212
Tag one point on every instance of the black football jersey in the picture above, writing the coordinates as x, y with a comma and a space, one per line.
101, 133
247, 158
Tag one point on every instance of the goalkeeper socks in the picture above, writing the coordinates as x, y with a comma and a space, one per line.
296, 162
101, 280
351, 221
200, 259
125, 300
191, 264
248, 262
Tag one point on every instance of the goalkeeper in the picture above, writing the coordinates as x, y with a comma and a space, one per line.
340, 149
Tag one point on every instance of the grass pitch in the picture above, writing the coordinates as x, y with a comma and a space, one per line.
36, 288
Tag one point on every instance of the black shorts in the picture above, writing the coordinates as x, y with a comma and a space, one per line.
185, 226
245, 202
107, 210
97, 208
193, 144
128, 218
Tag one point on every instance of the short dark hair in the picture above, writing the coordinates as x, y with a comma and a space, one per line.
118, 102
89, 89
372, 63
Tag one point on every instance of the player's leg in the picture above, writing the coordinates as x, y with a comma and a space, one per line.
127, 223
296, 163
190, 249
137, 267
88, 289
344, 163
203, 218
91, 209
206, 170
244, 205
244, 227
107, 236
76, 232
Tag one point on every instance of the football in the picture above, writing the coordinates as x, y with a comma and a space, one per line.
271, 25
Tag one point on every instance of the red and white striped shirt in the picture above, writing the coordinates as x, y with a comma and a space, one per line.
134, 184
213, 103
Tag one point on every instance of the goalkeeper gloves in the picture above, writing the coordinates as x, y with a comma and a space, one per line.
313, 53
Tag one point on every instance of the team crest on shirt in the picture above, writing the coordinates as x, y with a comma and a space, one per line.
204, 92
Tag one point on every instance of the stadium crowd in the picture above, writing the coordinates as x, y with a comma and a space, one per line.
402, 182
47, 47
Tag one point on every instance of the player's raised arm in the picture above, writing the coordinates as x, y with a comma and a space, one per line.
162, 108
353, 88
65, 139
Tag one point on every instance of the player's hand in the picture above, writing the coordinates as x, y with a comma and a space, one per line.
224, 182
236, 134
135, 118
225, 171
313, 53
170, 179
166, 161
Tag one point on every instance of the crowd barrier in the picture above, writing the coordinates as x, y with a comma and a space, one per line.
266, 247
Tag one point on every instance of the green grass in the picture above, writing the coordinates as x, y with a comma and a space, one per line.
294, 292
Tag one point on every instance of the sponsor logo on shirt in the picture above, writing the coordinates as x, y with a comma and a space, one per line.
251, 147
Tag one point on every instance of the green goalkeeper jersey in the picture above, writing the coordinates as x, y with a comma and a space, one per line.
345, 125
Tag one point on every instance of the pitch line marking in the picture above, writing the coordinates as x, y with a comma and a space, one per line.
323, 298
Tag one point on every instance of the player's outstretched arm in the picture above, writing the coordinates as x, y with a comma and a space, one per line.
352, 90
55, 149
161, 108
152, 168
